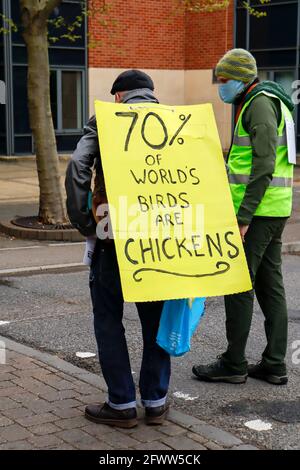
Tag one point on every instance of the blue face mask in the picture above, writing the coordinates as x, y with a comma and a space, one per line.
230, 90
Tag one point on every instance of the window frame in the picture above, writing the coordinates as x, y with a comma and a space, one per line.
59, 130
295, 67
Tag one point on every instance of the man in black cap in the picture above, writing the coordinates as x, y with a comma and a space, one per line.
132, 86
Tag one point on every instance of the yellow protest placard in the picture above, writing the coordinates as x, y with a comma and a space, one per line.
172, 215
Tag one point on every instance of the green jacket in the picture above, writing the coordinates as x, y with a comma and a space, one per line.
261, 120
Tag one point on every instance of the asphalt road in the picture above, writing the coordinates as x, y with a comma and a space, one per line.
53, 312
38, 255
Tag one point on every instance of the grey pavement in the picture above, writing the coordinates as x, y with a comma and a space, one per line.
52, 312
18, 179
19, 192
15, 257
42, 407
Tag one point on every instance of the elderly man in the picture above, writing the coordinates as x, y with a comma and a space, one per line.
132, 86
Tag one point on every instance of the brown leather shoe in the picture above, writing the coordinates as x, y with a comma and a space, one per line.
104, 414
156, 415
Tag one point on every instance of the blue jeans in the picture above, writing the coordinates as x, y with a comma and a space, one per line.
108, 303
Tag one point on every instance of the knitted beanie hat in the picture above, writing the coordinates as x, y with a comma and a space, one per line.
237, 64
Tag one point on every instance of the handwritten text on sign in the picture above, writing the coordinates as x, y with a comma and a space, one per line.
172, 216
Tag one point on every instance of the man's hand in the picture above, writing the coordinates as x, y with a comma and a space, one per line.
243, 231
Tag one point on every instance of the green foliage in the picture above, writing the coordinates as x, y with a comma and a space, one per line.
65, 30
61, 29
254, 11
7, 25
199, 6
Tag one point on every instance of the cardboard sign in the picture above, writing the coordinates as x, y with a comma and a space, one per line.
170, 205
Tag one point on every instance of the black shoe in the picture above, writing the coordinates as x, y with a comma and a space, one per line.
261, 372
104, 414
156, 415
218, 372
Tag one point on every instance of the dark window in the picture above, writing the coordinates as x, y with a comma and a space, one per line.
19, 54
273, 40
21, 116
53, 96
15, 13
271, 31
66, 56
1, 52
66, 91
2, 144
68, 11
257, 3
275, 58
71, 100
67, 78
241, 27
67, 143
23, 144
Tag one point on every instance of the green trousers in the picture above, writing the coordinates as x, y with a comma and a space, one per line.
263, 252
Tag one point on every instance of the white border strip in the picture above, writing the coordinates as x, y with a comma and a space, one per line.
38, 269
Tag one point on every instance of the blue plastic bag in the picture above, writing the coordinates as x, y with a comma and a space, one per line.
90, 200
178, 322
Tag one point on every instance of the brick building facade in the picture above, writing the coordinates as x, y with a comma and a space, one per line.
179, 50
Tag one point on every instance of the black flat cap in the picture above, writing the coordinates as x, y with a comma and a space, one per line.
132, 80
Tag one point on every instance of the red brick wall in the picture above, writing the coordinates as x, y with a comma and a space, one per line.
208, 37
145, 36
152, 34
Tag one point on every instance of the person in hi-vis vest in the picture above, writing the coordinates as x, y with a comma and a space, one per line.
260, 171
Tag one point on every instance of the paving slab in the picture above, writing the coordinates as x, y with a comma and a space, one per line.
38, 422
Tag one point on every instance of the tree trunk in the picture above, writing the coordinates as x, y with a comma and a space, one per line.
34, 19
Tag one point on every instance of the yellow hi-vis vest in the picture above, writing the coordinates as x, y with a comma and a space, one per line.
277, 200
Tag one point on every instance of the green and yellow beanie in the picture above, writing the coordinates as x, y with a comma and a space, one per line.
237, 64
